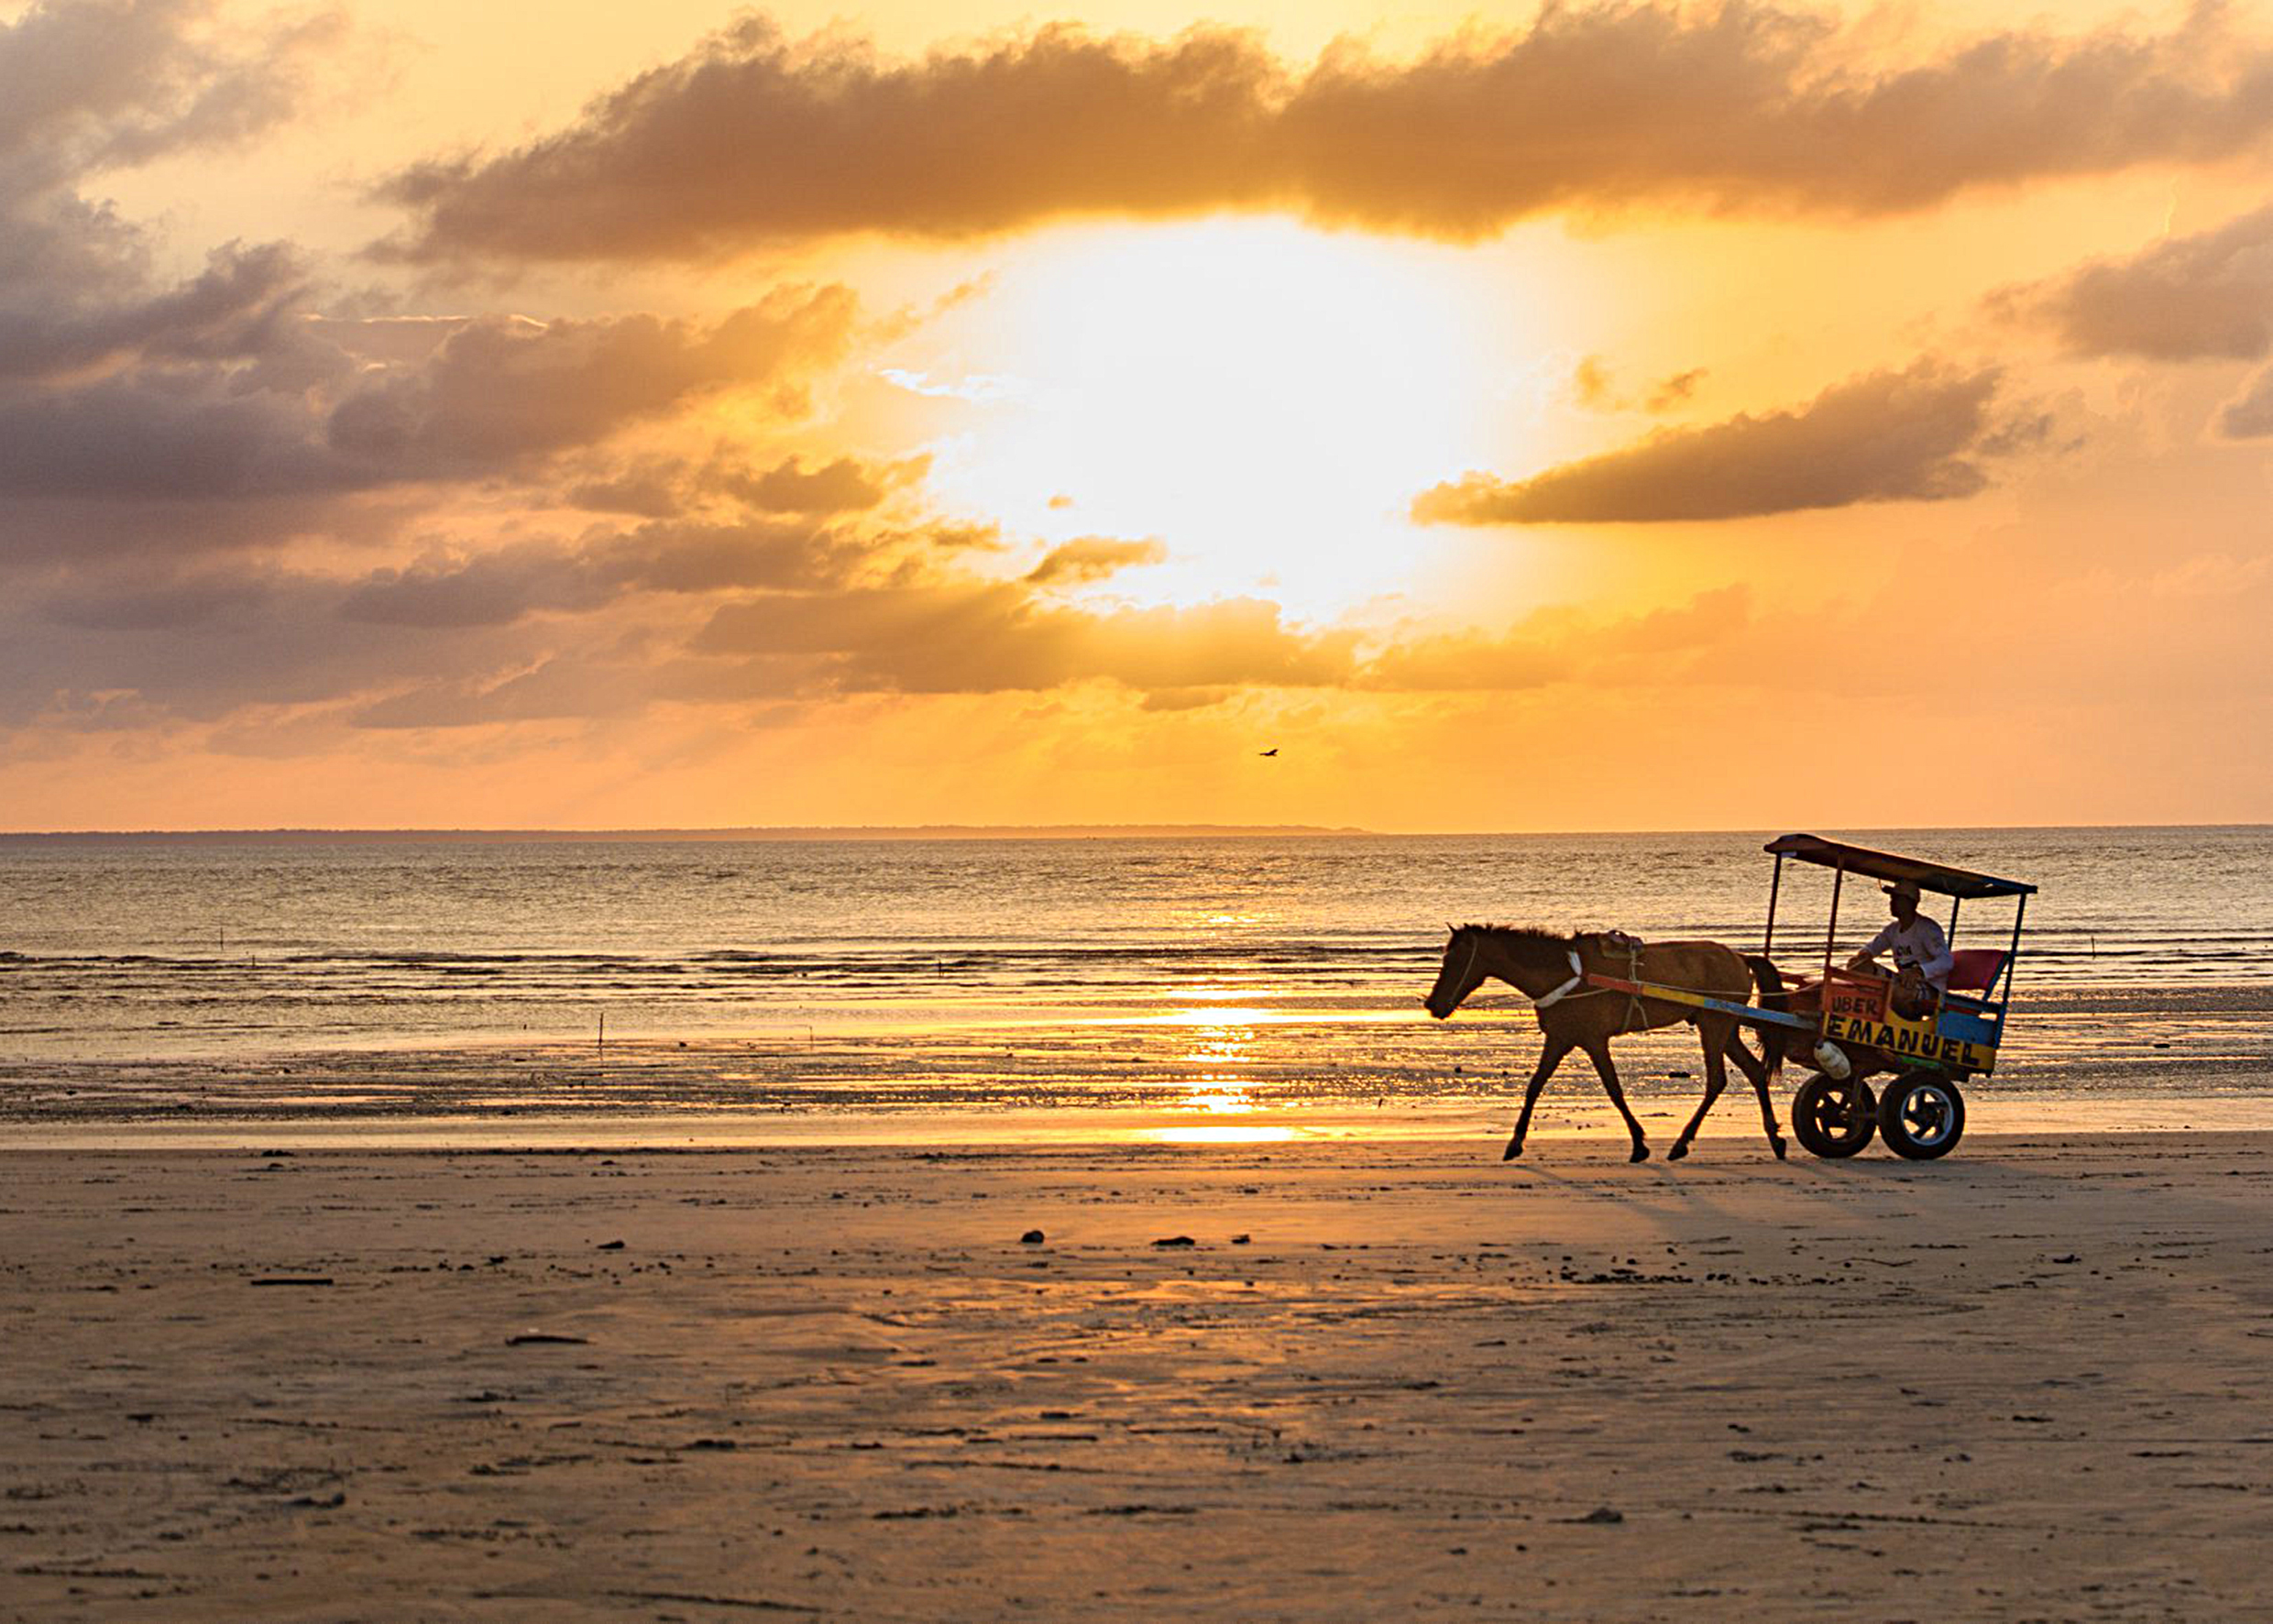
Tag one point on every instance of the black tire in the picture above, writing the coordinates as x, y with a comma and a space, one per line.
1922, 1117
1833, 1119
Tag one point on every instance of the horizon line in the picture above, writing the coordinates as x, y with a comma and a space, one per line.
980, 831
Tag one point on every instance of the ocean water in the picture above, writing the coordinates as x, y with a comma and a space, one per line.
144, 977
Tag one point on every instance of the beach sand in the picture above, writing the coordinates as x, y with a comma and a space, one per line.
1383, 1379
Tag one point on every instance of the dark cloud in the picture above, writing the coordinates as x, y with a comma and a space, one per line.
158, 434
751, 138
502, 389
230, 312
1915, 435
1093, 558
112, 383
126, 396
140, 603
204, 645
2206, 297
654, 488
97, 84
259, 404
101, 83
503, 584
1741, 107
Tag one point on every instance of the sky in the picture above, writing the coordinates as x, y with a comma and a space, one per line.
1629, 415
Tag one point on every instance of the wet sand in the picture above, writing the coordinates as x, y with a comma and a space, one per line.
1381, 1379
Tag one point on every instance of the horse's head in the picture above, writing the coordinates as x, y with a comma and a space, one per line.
1460, 973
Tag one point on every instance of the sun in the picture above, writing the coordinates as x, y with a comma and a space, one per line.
1261, 397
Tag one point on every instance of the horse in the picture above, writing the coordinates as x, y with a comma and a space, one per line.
1549, 969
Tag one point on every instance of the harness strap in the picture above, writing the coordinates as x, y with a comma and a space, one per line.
1563, 992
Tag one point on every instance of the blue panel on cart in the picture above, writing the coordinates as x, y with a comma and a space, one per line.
1966, 1028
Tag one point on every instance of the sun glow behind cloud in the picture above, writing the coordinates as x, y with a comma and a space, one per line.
1261, 397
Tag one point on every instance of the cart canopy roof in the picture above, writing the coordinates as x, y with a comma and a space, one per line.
1888, 865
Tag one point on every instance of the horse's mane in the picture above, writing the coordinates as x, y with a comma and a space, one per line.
1527, 933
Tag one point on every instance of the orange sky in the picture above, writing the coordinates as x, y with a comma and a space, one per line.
1623, 416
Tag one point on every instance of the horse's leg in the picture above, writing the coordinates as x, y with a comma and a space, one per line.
1598, 1051
1756, 1073
1549, 1059
1715, 1035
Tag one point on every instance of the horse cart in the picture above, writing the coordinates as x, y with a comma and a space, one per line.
1845, 1026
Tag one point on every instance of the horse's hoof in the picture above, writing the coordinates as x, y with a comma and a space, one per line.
1641, 1153
1779, 1148
1514, 1149
1677, 1152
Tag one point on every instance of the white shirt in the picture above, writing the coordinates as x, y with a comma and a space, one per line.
1920, 942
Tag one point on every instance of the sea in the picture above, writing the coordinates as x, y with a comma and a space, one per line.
1201, 986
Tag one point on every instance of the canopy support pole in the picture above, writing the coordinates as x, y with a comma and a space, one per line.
1831, 936
2011, 959
1775, 883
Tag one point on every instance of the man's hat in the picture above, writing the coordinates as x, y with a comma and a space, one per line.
1908, 888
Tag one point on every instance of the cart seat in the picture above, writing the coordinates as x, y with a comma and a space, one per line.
1975, 969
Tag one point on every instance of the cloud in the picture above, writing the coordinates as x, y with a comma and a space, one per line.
1085, 559
1736, 108
2205, 297
844, 486
140, 603
103, 83
98, 84
1668, 393
160, 434
1915, 435
620, 624
114, 382
500, 389
662, 487
987, 637
208, 643
129, 399
246, 400
2249, 416
1558, 645
1593, 387
229, 312
571, 688
503, 584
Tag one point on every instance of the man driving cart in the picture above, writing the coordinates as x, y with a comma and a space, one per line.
1922, 959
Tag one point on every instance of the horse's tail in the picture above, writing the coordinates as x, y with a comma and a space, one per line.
1772, 996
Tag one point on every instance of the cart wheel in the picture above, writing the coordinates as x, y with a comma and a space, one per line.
1922, 1117
1833, 1118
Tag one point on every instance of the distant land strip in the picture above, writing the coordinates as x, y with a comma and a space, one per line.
930, 831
